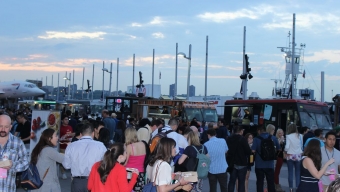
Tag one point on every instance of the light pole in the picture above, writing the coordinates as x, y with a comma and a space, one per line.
189, 66
106, 70
102, 97
69, 82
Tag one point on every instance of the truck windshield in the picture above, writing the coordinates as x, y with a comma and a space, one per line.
210, 115
194, 113
321, 120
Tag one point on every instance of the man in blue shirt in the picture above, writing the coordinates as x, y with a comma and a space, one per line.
264, 168
217, 149
109, 122
318, 135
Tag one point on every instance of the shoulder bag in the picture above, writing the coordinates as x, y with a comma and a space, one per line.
30, 179
151, 187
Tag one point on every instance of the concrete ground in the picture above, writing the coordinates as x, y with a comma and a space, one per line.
66, 184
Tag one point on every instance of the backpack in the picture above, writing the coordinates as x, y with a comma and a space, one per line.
203, 164
268, 151
154, 141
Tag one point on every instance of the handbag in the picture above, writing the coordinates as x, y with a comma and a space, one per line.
30, 179
151, 187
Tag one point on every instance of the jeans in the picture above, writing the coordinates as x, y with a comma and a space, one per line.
278, 166
297, 165
260, 173
222, 179
239, 174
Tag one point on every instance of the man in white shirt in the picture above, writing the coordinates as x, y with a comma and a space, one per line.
181, 141
80, 157
328, 152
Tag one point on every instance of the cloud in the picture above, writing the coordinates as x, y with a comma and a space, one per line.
124, 34
136, 25
158, 35
332, 56
156, 21
304, 21
72, 35
279, 18
240, 53
45, 63
221, 17
332, 77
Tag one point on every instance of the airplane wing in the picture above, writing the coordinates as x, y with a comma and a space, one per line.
1, 92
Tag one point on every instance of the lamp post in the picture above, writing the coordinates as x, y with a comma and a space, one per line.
189, 66
102, 97
69, 82
106, 70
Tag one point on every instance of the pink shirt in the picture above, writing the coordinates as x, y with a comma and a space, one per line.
136, 161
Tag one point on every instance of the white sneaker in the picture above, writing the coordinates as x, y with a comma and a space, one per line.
64, 176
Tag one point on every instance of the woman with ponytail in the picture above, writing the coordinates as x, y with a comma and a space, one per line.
109, 174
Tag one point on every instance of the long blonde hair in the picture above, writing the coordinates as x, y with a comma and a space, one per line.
130, 136
193, 138
277, 133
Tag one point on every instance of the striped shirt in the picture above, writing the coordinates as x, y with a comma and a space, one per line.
217, 149
17, 153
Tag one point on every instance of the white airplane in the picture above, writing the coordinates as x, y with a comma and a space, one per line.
16, 89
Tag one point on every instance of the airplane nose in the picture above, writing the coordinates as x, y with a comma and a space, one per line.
41, 91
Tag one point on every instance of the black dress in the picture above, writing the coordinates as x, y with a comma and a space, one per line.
308, 183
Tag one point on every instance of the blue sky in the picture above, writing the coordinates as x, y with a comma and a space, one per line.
39, 39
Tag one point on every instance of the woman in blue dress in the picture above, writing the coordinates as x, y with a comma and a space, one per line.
311, 170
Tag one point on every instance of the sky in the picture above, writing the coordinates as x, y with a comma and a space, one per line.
40, 39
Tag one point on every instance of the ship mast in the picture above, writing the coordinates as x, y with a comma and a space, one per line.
293, 68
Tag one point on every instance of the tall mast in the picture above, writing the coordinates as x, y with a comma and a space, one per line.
293, 80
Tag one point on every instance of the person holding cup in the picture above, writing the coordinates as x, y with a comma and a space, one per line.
328, 152
311, 169
110, 174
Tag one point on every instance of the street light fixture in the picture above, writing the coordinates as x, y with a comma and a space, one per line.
189, 66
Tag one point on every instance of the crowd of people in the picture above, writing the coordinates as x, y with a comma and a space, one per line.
109, 154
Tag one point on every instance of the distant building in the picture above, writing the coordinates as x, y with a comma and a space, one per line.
172, 90
192, 91
48, 91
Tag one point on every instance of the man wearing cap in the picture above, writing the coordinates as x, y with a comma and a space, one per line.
114, 117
